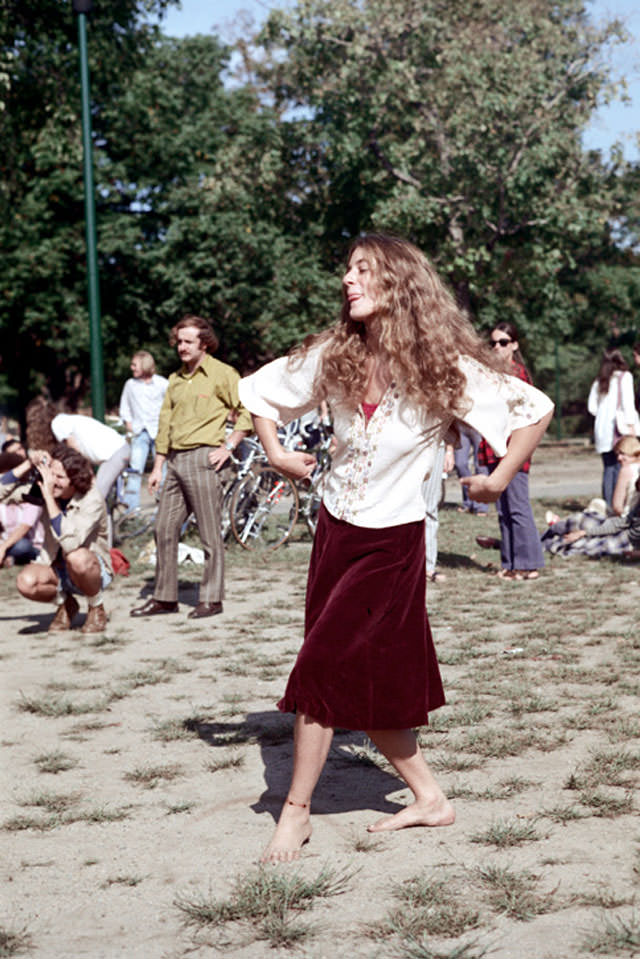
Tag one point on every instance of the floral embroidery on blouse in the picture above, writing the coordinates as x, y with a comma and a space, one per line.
362, 447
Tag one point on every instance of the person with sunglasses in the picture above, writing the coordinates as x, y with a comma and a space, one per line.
520, 549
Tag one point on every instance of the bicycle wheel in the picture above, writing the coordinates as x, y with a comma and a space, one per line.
225, 511
264, 509
133, 523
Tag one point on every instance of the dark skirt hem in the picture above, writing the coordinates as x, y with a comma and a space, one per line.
322, 716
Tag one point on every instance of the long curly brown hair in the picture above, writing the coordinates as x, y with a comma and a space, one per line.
420, 332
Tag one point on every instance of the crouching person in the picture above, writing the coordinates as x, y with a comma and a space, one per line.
75, 556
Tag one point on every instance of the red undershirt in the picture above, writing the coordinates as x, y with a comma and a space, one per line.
369, 409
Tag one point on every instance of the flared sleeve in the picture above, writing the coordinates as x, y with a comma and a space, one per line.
498, 404
283, 389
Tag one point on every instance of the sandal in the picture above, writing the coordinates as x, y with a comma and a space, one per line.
526, 574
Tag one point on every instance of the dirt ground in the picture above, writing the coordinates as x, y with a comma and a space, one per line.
143, 769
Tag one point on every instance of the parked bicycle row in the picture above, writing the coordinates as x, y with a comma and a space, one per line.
260, 507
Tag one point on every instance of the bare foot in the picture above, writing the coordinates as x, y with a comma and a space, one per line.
292, 832
419, 813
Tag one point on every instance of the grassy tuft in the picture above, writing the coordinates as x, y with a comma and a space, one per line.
507, 833
615, 936
150, 776
14, 942
514, 893
265, 898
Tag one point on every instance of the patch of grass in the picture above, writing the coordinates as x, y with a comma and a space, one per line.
614, 936
610, 766
55, 707
265, 898
179, 807
421, 949
455, 763
506, 833
364, 841
603, 898
52, 802
14, 942
171, 730
123, 881
602, 804
231, 761
149, 776
55, 762
506, 788
24, 823
562, 814
101, 814
514, 893
429, 908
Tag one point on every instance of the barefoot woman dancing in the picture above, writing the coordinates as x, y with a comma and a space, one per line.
400, 365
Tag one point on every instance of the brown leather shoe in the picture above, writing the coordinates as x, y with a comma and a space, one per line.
96, 621
65, 613
488, 542
205, 609
154, 606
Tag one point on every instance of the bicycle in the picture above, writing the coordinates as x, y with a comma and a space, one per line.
265, 505
264, 509
124, 523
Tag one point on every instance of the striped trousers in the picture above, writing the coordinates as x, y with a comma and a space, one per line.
190, 486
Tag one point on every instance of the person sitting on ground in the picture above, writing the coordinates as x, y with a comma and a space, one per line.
75, 556
21, 532
591, 532
14, 445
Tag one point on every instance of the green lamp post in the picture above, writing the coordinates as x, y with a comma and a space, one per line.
82, 8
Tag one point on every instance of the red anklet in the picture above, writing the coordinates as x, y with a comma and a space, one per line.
301, 805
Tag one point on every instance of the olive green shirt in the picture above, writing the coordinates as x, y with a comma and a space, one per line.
196, 407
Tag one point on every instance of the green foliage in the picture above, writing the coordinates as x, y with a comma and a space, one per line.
461, 129
457, 125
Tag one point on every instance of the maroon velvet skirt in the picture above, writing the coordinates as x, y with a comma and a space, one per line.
368, 660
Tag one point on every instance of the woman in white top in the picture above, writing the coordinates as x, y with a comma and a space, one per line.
612, 404
398, 367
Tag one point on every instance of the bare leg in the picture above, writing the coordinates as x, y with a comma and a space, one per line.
38, 582
84, 570
311, 743
430, 807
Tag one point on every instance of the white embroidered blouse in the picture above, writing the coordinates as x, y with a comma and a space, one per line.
378, 467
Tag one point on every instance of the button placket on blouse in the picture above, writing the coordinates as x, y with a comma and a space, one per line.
362, 446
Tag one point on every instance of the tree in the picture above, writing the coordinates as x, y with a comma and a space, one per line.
459, 126
43, 315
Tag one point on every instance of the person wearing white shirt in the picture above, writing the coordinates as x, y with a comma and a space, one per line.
103, 446
401, 364
611, 402
140, 404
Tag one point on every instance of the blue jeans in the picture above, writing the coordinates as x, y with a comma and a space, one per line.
23, 551
611, 468
66, 583
140, 446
